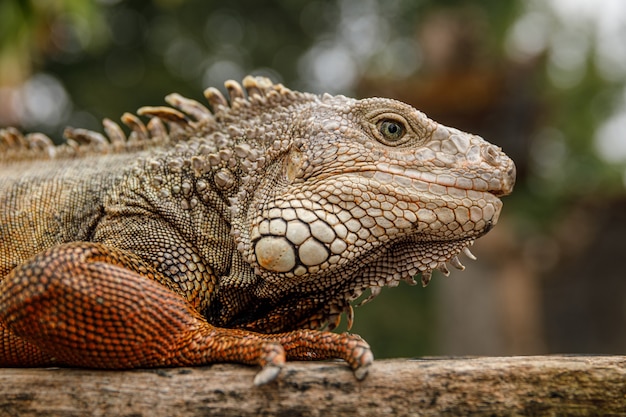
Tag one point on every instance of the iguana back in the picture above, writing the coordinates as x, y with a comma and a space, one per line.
49, 202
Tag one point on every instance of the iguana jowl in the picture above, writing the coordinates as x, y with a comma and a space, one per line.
230, 234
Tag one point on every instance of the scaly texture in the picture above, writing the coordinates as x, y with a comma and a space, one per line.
230, 234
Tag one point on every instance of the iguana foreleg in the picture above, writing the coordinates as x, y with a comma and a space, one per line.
17, 352
87, 305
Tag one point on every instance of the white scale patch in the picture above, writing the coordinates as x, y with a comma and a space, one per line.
296, 231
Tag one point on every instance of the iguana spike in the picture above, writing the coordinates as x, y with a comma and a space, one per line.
455, 262
41, 142
374, 292
156, 128
189, 106
215, 98
72, 144
139, 130
12, 138
410, 280
167, 114
469, 254
444, 269
114, 132
257, 85
234, 90
84, 136
250, 84
426, 276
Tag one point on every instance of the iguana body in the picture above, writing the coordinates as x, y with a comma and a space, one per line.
232, 234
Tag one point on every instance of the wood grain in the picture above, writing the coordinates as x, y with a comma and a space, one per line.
484, 386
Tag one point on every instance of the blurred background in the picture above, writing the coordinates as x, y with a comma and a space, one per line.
543, 79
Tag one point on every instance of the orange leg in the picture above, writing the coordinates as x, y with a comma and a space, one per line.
15, 351
87, 305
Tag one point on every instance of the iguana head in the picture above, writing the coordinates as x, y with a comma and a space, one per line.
367, 193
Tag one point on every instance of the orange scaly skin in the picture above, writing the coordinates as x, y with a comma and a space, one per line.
230, 234
83, 304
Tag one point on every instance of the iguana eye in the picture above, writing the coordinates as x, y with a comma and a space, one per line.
391, 132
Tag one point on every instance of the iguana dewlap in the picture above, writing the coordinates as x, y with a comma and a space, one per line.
230, 234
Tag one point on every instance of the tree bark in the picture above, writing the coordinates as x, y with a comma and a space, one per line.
486, 386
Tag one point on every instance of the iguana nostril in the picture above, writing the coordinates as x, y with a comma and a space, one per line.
491, 154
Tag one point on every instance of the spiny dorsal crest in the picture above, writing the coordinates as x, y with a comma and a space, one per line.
166, 125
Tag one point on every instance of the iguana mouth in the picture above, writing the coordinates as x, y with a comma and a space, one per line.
408, 183
497, 186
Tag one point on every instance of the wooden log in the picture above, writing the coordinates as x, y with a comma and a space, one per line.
484, 386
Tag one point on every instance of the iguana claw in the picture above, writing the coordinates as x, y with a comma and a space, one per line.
274, 359
267, 374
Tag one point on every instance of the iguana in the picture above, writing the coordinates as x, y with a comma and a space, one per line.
230, 234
